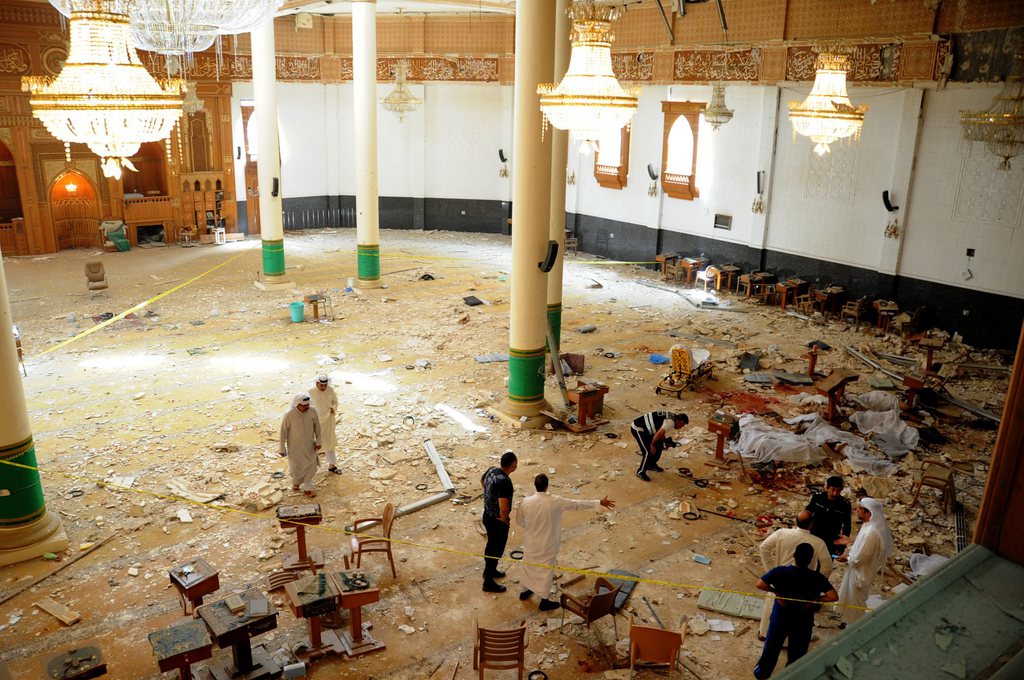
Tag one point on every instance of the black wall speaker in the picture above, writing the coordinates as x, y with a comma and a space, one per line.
549, 258
888, 204
276, 187
238, 156
652, 172
501, 156
760, 182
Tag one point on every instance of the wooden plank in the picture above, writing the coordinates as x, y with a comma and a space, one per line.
67, 563
68, 616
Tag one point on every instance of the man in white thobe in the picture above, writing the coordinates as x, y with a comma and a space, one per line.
865, 559
324, 401
541, 516
779, 550
300, 439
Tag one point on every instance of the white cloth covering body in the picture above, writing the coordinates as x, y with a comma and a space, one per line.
325, 402
778, 550
541, 516
300, 433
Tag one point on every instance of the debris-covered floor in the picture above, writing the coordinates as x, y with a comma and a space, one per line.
179, 406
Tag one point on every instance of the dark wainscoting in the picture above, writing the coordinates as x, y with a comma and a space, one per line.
992, 320
398, 212
242, 209
463, 214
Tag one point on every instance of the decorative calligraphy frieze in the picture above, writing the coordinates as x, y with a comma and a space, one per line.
868, 63
298, 68
708, 65
471, 69
633, 65
13, 59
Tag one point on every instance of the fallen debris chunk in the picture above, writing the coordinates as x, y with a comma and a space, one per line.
733, 604
66, 616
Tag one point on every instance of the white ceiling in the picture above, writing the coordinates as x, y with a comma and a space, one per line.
329, 7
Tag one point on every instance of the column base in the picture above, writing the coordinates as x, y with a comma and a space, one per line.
522, 416
282, 282
28, 542
369, 283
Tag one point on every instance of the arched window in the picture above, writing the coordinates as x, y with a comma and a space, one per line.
679, 149
611, 162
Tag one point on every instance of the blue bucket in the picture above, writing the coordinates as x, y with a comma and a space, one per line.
298, 311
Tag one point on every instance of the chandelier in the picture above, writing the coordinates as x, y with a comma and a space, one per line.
192, 103
589, 101
716, 113
103, 96
1001, 127
176, 27
827, 114
401, 101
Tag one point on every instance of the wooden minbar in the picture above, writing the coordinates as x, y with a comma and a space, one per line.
193, 580
299, 517
310, 598
77, 663
356, 593
180, 646
232, 622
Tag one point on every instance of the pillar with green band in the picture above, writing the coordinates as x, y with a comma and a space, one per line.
27, 528
364, 109
526, 375
368, 263
555, 320
273, 257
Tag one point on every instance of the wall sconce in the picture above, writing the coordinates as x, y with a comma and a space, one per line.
653, 189
892, 230
71, 187
503, 171
570, 179
653, 174
758, 207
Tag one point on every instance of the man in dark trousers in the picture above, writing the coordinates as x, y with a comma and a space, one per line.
497, 512
651, 431
799, 590
831, 514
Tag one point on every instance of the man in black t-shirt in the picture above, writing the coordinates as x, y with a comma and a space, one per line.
798, 590
831, 514
497, 512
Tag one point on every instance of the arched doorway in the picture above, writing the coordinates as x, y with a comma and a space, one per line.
75, 211
12, 227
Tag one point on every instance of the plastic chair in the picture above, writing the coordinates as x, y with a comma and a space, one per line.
365, 544
500, 649
590, 608
936, 476
95, 275
654, 645
711, 272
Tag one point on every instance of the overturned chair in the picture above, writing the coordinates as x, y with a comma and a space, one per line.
689, 367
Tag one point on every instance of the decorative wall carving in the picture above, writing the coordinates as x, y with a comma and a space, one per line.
7, 138
985, 193
633, 65
53, 168
53, 59
14, 59
832, 176
868, 63
707, 65
434, 69
43, 15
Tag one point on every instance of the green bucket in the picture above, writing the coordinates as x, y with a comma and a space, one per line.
298, 311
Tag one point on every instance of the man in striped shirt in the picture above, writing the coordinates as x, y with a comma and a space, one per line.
651, 431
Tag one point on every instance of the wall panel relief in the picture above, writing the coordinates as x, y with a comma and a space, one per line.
832, 176
986, 194
708, 65
633, 65
14, 60
868, 63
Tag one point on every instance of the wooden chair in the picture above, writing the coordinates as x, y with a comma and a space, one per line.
654, 645
937, 476
597, 605
852, 309
906, 322
709, 273
807, 303
676, 269
364, 544
500, 649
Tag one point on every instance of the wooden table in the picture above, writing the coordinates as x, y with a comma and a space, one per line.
828, 299
756, 281
885, 310
178, 647
193, 580
588, 395
664, 260
235, 630
690, 265
789, 289
356, 593
77, 663
298, 517
728, 271
317, 303
310, 598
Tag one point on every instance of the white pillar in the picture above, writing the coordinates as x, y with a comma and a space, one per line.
268, 158
364, 77
559, 160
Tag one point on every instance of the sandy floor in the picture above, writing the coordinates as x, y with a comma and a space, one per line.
192, 388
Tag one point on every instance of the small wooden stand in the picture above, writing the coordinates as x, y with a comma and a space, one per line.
235, 630
357, 639
726, 427
834, 387
178, 647
310, 598
913, 383
812, 360
298, 517
589, 399
77, 663
930, 345
318, 303
193, 580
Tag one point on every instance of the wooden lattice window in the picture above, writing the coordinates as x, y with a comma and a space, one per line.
611, 162
679, 149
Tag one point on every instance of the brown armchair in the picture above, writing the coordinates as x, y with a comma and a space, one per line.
852, 309
362, 543
592, 607
500, 649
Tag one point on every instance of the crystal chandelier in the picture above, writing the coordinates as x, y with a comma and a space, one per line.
176, 27
401, 101
192, 103
103, 96
589, 101
716, 113
827, 114
1001, 127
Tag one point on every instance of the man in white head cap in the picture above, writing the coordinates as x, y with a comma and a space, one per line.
865, 558
300, 439
324, 401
